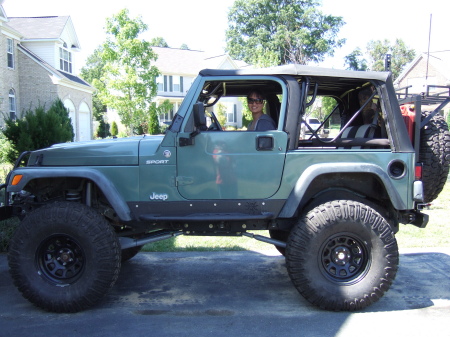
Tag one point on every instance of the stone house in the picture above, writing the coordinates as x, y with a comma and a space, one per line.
36, 67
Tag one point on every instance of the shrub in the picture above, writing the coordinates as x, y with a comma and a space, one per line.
114, 129
38, 129
7, 229
103, 129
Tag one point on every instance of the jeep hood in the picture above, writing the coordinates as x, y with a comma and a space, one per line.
108, 152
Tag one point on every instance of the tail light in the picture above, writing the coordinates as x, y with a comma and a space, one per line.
418, 171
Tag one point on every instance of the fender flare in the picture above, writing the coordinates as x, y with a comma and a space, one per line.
104, 184
295, 198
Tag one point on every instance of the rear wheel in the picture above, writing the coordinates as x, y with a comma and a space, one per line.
434, 155
64, 257
342, 255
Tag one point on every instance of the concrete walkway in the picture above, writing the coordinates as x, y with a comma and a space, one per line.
236, 294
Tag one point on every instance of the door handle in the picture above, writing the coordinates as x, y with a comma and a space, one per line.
264, 143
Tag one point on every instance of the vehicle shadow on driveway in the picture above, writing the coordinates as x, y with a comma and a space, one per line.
232, 294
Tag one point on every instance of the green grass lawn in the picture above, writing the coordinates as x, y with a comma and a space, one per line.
437, 232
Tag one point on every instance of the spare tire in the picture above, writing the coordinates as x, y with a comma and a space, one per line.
434, 155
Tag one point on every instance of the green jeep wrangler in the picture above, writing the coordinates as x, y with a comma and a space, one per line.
331, 201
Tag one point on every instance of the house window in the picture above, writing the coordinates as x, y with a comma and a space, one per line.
231, 114
65, 60
12, 104
160, 83
178, 83
168, 83
166, 117
10, 52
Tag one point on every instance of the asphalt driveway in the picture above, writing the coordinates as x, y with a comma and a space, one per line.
236, 294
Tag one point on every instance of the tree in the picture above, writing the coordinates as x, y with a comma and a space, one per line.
95, 69
38, 129
159, 42
128, 84
247, 117
184, 46
103, 129
401, 55
355, 61
221, 114
274, 32
114, 129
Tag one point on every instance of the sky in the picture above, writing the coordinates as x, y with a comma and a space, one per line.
201, 24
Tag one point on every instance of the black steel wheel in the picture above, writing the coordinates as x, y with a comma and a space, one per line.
344, 258
64, 257
60, 259
342, 255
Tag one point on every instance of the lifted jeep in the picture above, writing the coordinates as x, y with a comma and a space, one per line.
332, 205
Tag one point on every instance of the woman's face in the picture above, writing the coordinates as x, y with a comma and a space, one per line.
255, 104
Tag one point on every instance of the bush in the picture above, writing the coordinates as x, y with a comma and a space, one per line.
38, 129
114, 129
7, 229
103, 129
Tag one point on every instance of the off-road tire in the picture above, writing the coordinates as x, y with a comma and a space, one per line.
342, 256
435, 155
64, 257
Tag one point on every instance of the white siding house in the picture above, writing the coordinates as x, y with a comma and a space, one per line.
179, 68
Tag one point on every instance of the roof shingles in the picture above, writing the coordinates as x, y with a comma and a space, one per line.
45, 27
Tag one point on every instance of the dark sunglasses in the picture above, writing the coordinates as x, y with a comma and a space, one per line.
253, 100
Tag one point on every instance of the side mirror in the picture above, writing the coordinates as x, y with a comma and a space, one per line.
199, 124
199, 116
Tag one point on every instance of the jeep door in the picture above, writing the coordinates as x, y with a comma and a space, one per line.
231, 164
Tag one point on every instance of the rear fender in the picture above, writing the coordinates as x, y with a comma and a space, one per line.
297, 200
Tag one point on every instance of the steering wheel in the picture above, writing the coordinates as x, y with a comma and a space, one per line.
215, 125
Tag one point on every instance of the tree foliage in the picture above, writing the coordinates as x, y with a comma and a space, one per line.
159, 42
355, 61
221, 114
128, 83
94, 69
275, 32
374, 57
38, 129
401, 55
114, 129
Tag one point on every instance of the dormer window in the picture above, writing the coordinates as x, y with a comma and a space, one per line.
65, 59
10, 53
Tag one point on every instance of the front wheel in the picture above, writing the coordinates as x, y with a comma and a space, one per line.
64, 257
342, 255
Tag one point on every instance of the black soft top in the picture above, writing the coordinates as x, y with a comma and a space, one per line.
300, 70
